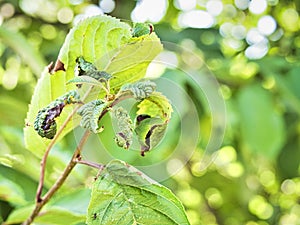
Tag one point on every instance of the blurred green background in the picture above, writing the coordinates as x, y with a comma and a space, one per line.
250, 47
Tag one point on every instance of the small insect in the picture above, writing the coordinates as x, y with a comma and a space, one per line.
94, 216
141, 29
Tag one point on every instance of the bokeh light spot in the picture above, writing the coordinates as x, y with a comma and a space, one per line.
196, 19
256, 51
48, 31
214, 198
7, 10
288, 187
149, 10
65, 15
238, 32
260, 207
266, 25
185, 5
241, 4
214, 7
235, 169
225, 155
267, 178
107, 5
258, 6
289, 19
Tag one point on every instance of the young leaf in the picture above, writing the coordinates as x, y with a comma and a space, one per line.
88, 69
85, 80
140, 89
141, 29
123, 195
125, 128
107, 43
90, 113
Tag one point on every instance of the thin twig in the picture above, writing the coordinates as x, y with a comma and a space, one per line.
91, 164
59, 181
49, 147
76, 158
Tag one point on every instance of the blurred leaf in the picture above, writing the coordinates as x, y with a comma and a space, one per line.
262, 127
19, 44
12, 111
123, 195
11, 192
68, 209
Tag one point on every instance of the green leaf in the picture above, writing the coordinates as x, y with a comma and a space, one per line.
85, 80
123, 195
11, 192
106, 43
149, 131
125, 128
90, 113
262, 127
156, 105
53, 215
140, 90
68, 209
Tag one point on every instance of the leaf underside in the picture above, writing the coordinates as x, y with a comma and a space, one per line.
123, 195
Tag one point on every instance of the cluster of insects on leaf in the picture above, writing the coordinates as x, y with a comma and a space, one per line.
149, 127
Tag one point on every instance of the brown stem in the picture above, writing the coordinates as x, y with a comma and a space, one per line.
49, 147
59, 181
40, 202
91, 164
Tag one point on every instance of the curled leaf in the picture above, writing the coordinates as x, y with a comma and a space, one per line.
125, 128
90, 113
45, 123
151, 121
150, 131
140, 90
156, 105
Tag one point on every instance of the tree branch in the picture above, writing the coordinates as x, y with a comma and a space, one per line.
49, 147
59, 181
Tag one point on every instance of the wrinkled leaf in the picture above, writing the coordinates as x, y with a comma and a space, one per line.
85, 80
107, 43
262, 127
140, 89
90, 113
123, 195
